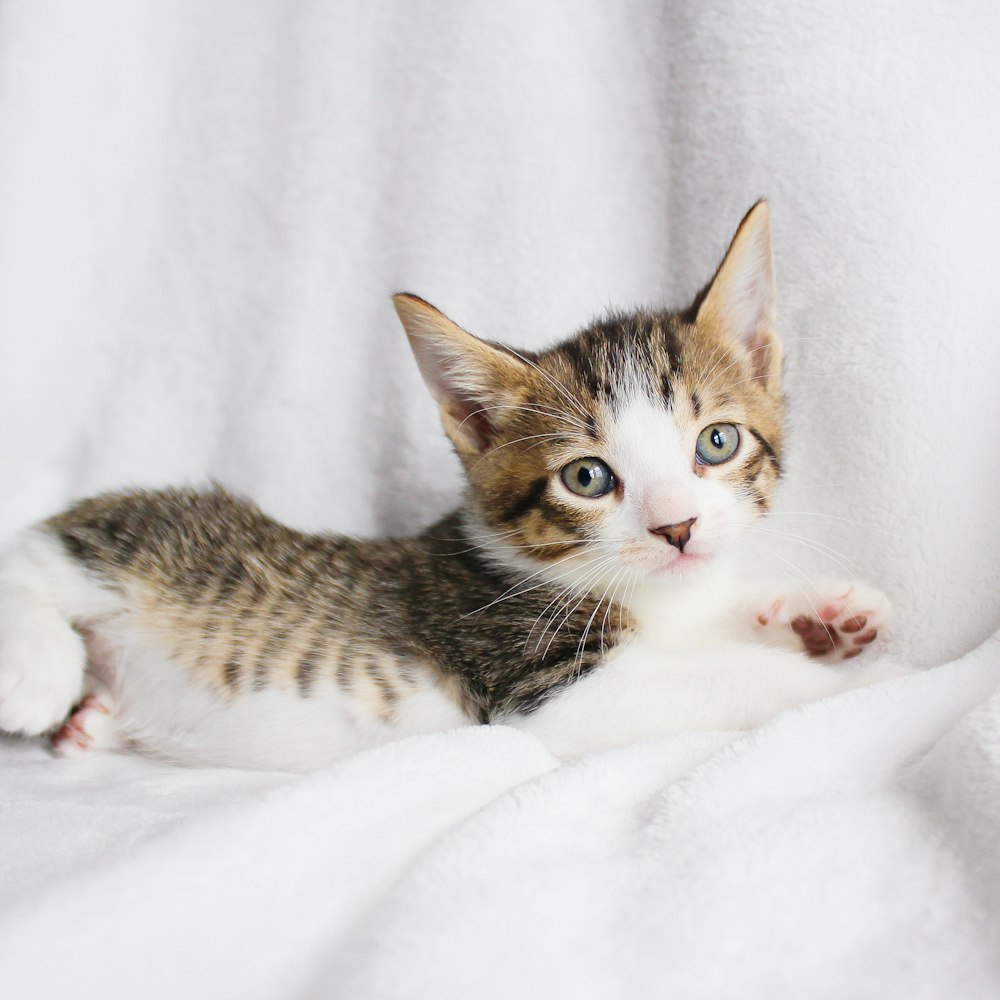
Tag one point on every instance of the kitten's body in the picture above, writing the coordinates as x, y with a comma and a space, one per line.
219, 636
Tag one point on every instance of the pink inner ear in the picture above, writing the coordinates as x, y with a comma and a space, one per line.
763, 351
473, 422
758, 344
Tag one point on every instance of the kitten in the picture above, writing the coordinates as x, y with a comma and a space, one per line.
584, 592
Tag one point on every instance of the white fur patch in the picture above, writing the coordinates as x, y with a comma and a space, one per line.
162, 712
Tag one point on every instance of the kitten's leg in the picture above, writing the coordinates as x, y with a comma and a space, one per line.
43, 591
830, 621
643, 691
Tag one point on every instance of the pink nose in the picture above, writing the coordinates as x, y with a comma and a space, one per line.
677, 534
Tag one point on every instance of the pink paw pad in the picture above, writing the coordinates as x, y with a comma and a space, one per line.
89, 727
837, 628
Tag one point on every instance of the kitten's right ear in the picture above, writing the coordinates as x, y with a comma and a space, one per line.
739, 301
470, 378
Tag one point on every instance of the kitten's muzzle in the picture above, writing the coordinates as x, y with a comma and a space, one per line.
678, 534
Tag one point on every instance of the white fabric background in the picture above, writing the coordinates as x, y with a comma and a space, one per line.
204, 208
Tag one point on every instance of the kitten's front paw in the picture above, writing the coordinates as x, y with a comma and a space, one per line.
834, 622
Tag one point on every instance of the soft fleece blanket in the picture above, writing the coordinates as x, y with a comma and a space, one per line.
203, 210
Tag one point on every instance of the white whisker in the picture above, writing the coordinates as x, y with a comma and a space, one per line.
556, 384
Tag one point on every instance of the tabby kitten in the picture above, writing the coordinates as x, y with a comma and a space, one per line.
584, 592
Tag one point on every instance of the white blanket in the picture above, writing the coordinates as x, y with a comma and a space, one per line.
203, 211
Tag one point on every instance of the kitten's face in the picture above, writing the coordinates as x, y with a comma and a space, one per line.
636, 450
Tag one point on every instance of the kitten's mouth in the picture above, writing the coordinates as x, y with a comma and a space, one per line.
681, 562
665, 564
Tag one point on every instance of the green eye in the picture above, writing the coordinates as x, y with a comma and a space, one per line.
588, 477
717, 444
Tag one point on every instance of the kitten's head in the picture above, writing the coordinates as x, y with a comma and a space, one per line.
638, 448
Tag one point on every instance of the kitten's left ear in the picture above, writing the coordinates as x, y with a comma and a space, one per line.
739, 304
470, 378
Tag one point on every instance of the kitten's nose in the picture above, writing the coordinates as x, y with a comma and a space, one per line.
677, 534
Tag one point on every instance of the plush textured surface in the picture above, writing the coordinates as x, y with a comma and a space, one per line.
203, 211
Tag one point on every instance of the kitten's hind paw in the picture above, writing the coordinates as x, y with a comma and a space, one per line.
835, 622
91, 726
41, 665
